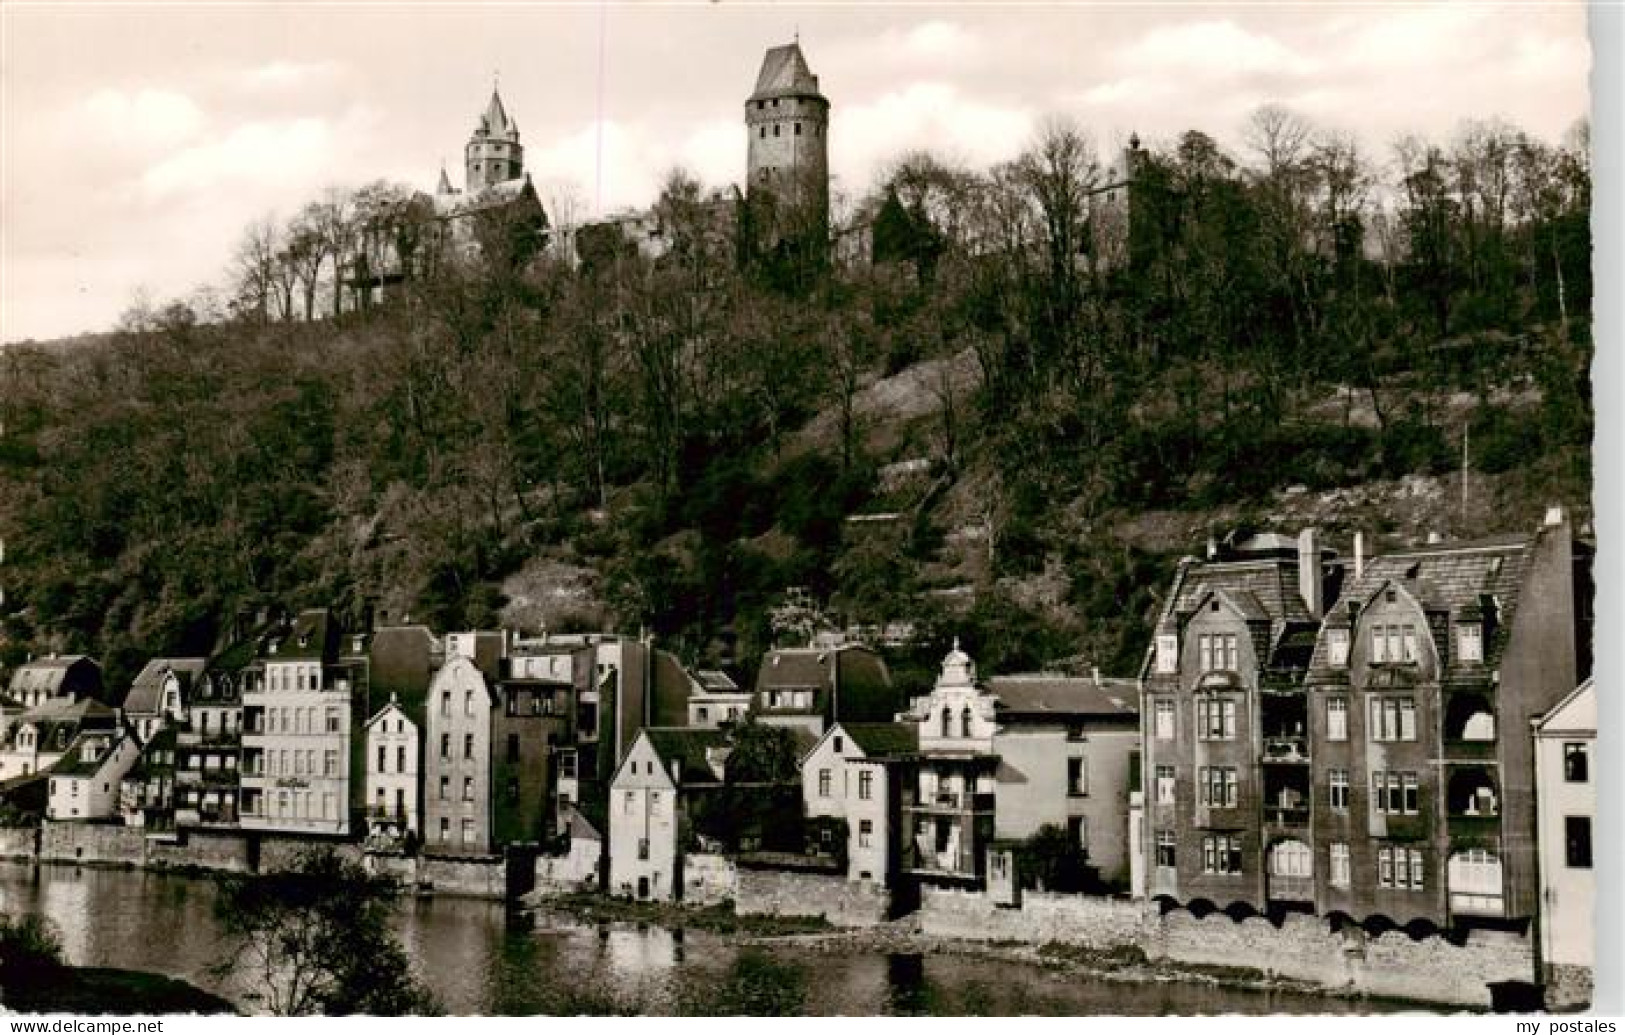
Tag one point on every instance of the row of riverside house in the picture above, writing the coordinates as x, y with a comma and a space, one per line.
1393, 741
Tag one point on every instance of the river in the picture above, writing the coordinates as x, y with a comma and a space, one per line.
478, 964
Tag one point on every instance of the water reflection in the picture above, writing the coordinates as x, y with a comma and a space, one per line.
480, 963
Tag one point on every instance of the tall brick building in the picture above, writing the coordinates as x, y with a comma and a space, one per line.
1368, 757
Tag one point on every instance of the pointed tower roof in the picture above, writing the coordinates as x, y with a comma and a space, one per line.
785, 74
495, 121
444, 186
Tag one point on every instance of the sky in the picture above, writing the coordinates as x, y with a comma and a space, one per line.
137, 140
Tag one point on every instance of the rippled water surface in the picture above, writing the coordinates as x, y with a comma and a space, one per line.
478, 963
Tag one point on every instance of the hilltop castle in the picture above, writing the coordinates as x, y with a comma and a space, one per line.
786, 158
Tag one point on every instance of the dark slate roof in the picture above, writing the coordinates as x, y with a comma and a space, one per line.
45, 674
73, 764
885, 739
687, 746
143, 698
785, 74
852, 683
669, 689
57, 725
1045, 695
313, 636
579, 826
495, 122
163, 740
714, 681
403, 664
1448, 579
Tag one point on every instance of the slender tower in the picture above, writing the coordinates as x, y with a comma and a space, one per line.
787, 120
494, 154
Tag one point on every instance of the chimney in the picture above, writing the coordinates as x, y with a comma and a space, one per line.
1554, 516
1310, 586
1212, 547
1359, 554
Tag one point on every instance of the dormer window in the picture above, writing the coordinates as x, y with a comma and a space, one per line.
1470, 642
1337, 647
1167, 653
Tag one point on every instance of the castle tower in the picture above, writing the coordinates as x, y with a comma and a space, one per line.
494, 154
787, 121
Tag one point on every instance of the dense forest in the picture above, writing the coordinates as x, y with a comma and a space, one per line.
1005, 426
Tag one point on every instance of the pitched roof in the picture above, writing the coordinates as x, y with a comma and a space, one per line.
785, 74
851, 683
495, 122
687, 747
46, 675
715, 681
312, 635
1575, 714
73, 762
579, 826
145, 691
884, 739
1039, 695
669, 689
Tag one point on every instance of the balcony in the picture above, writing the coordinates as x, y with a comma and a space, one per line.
1467, 904
952, 801
957, 865
1293, 750
1286, 815
1476, 751
1474, 826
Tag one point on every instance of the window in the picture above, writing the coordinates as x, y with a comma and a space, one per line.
1165, 720
840, 745
775, 129
1393, 643
1576, 763
1401, 868
468, 702
1218, 786
1338, 781
468, 788
1077, 781
1165, 848
468, 746
1469, 642
626, 803
1218, 652
445, 747
1167, 653
1077, 828
1340, 865
866, 781
866, 831
643, 848
1337, 718
332, 720
445, 704
1291, 859
383, 757
798, 129
1577, 842
1393, 718
1221, 853
823, 783
513, 747
1394, 793
1215, 718
445, 830
1165, 785
330, 762
468, 831
1337, 647
400, 759
947, 722
964, 722
701, 715
445, 788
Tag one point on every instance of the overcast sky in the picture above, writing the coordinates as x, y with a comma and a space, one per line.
138, 139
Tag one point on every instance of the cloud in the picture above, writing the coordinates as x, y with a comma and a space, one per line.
924, 116
281, 76
144, 119
260, 152
1222, 48
939, 40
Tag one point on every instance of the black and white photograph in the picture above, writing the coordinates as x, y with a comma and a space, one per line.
763, 509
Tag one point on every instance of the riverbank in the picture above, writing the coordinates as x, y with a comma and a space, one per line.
104, 990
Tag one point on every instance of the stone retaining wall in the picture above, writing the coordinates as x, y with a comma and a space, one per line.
1097, 923
472, 878
842, 902
19, 843
709, 879
104, 844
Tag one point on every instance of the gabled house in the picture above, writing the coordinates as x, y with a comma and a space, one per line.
811, 687
162, 693
647, 807
86, 782
851, 790
394, 756
147, 794
1068, 751
208, 752
716, 699
41, 736
1566, 800
948, 808
41, 682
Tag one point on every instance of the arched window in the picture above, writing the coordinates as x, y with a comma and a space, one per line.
1291, 859
1474, 876
964, 722
947, 722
